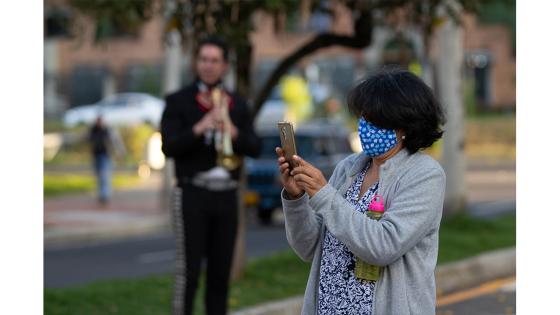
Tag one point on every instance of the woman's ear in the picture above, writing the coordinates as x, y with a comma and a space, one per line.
401, 135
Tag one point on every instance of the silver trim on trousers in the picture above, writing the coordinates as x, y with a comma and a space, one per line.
180, 261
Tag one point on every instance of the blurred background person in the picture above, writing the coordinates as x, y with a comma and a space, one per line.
326, 223
334, 111
193, 127
104, 142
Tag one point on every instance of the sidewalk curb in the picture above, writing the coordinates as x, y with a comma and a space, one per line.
82, 235
288, 306
468, 273
451, 277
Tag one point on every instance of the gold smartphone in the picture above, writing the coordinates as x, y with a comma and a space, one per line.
288, 141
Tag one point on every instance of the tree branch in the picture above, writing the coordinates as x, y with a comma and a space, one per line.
362, 38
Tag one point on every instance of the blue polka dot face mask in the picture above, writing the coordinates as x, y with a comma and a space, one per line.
375, 141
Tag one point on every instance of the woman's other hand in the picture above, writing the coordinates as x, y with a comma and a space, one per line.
308, 177
287, 180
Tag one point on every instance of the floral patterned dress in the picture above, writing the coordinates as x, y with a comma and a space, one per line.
339, 290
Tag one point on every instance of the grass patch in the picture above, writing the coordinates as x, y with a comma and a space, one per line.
274, 277
149, 295
278, 276
50, 125
60, 184
461, 236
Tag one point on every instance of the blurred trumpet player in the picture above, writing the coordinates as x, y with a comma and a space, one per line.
206, 130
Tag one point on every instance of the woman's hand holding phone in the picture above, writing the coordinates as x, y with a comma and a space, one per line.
307, 176
287, 180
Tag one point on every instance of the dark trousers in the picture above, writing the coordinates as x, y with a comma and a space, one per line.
209, 228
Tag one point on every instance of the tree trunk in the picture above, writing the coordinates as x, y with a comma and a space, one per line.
171, 83
109, 85
243, 57
239, 253
52, 106
449, 65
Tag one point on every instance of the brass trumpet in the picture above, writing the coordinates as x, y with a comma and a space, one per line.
222, 140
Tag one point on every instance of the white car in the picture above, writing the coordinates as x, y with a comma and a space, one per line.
122, 109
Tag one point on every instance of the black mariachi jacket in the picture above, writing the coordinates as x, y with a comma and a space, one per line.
190, 153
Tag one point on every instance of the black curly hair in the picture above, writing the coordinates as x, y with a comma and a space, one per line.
214, 40
397, 99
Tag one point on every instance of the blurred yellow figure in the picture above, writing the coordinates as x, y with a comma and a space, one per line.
415, 67
295, 93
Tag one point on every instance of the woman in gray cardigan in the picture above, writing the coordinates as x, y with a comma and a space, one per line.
326, 222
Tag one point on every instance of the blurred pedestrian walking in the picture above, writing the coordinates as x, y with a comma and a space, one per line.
104, 143
361, 265
206, 130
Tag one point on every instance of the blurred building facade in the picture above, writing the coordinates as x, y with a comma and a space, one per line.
78, 71
491, 61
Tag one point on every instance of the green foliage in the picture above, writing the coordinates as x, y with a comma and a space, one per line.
275, 277
280, 5
61, 184
135, 139
115, 18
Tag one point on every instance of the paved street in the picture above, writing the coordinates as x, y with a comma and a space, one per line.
493, 298
75, 265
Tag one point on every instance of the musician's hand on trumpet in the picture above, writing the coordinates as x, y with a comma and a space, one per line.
233, 131
208, 122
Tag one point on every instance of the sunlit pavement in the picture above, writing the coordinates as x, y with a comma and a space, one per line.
490, 181
491, 298
79, 218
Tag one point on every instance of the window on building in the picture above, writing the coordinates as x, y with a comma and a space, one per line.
81, 93
480, 64
57, 23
